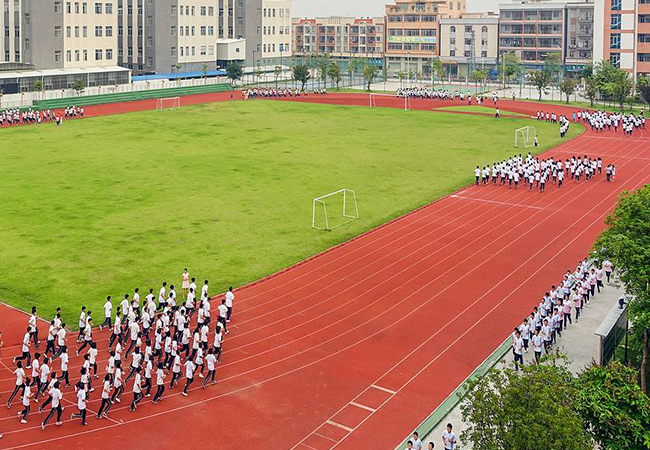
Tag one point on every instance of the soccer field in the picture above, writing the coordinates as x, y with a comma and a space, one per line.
102, 205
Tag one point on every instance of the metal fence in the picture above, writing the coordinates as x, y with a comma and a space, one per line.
612, 331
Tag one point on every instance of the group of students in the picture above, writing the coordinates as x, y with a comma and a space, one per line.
271, 93
600, 121
553, 314
14, 116
536, 173
148, 343
441, 94
449, 440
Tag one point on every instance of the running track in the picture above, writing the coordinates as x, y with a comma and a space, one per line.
355, 347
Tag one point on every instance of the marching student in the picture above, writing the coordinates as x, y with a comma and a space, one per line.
88, 335
190, 367
518, 349
35, 371
92, 359
190, 302
53, 381
108, 313
223, 312
81, 404
160, 382
55, 396
43, 375
135, 303
218, 339
135, 364
116, 333
117, 383
64, 367
204, 290
49, 342
137, 390
210, 360
102, 412
60, 338
538, 342
82, 324
27, 395
20, 382
33, 328
230, 296
25, 350
148, 369
176, 371
607, 267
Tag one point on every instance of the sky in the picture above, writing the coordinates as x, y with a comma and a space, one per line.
319, 8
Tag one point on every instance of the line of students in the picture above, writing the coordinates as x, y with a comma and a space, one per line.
148, 341
553, 314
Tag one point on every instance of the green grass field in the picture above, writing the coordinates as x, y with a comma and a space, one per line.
102, 205
479, 109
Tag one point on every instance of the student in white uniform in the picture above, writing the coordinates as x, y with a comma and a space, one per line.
102, 412
26, 356
190, 367
160, 382
230, 296
137, 390
81, 404
118, 386
449, 438
27, 395
64, 367
210, 361
538, 343
56, 397
108, 313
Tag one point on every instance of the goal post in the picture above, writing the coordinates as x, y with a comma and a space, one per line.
168, 103
525, 136
343, 201
374, 97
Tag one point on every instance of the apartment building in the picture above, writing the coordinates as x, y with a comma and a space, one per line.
580, 36
267, 30
412, 32
169, 36
342, 38
468, 43
623, 34
11, 44
532, 30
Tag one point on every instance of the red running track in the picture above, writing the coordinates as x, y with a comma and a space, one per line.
355, 347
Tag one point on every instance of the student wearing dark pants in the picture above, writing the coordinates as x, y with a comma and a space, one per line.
160, 382
137, 390
106, 400
55, 397
81, 404
20, 383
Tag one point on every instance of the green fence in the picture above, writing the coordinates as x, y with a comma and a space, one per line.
89, 100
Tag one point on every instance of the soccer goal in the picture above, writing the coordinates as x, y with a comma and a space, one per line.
169, 103
342, 207
525, 136
373, 100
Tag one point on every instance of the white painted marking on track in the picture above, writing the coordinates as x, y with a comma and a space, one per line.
383, 389
325, 437
496, 202
338, 425
359, 405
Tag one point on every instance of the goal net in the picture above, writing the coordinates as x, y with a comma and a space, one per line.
389, 100
525, 136
168, 103
333, 210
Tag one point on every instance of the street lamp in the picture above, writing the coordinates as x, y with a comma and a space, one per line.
254, 51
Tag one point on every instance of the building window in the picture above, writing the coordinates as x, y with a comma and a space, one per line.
98, 8
84, 8
210, 31
85, 31
616, 5
204, 10
109, 31
203, 50
173, 30
68, 7
57, 10
615, 22
108, 8
615, 41
615, 59
57, 56
85, 55
150, 41
98, 31
68, 31
644, 18
68, 55
173, 51
98, 54
210, 10
57, 32
643, 57
211, 50
174, 10
109, 53
203, 31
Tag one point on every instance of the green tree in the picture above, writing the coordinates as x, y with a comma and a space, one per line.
258, 73
437, 69
323, 65
510, 67
614, 407
79, 86
618, 86
568, 87
402, 76
277, 71
553, 65
234, 72
354, 67
643, 89
302, 74
626, 243
38, 85
590, 89
541, 80
334, 72
204, 71
479, 77
369, 73
533, 410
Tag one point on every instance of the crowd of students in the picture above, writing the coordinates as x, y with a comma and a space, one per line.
151, 346
600, 121
554, 313
442, 94
274, 93
536, 173
15, 116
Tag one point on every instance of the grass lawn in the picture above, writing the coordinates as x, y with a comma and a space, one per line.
102, 205
479, 109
